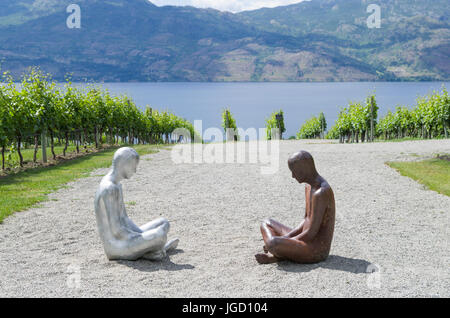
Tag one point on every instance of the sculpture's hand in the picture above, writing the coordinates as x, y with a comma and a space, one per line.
297, 231
131, 225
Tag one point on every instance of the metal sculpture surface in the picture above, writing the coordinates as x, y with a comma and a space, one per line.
122, 239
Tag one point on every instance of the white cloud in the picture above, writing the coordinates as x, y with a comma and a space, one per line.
227, 5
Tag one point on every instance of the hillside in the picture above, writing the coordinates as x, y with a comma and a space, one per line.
412, 43
135, 40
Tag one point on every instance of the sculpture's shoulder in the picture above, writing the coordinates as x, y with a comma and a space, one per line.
324, 192
108, 189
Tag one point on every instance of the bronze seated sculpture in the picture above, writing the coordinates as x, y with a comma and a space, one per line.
310, 242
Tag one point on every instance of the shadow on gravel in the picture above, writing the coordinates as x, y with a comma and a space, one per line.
334, 262
164, 265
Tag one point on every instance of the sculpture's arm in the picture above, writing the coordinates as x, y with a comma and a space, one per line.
318, 207
111, 198
297, 231
307, 198
130, 224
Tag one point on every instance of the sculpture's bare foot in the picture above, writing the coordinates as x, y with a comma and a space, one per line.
155, 256
265, 259
171, 245
265, 249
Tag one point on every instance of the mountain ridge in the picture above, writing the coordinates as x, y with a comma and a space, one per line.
139, 41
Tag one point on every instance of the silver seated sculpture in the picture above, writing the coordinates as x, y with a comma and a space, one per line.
122, 239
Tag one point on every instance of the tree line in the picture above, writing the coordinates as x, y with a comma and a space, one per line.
429, 118
40, 109
358, 122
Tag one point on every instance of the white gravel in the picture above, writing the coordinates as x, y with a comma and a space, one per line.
215, 210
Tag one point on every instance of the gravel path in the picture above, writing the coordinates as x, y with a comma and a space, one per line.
215, 210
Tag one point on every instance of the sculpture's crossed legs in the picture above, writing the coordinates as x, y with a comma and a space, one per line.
270, 229
149, 230
280, 246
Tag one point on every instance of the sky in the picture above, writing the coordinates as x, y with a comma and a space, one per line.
227, 5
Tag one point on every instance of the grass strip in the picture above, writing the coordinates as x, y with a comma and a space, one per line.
433, 173
22, 190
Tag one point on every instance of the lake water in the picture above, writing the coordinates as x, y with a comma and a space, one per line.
252, 103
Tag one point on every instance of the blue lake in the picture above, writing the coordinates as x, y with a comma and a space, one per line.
252, 103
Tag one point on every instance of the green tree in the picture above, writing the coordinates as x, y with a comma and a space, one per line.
372, 111
275, 121
323, 124
312, 128
441, 103
38, 92
6, 132
229, 124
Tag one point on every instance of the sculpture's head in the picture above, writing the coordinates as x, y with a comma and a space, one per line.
125, 162
302, 166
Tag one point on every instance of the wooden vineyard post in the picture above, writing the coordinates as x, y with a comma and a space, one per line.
44, 147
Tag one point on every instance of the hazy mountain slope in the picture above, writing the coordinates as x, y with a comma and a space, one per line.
413, 41
20, 11
135, 40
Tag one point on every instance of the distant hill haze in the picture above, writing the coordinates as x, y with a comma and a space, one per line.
318, 40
